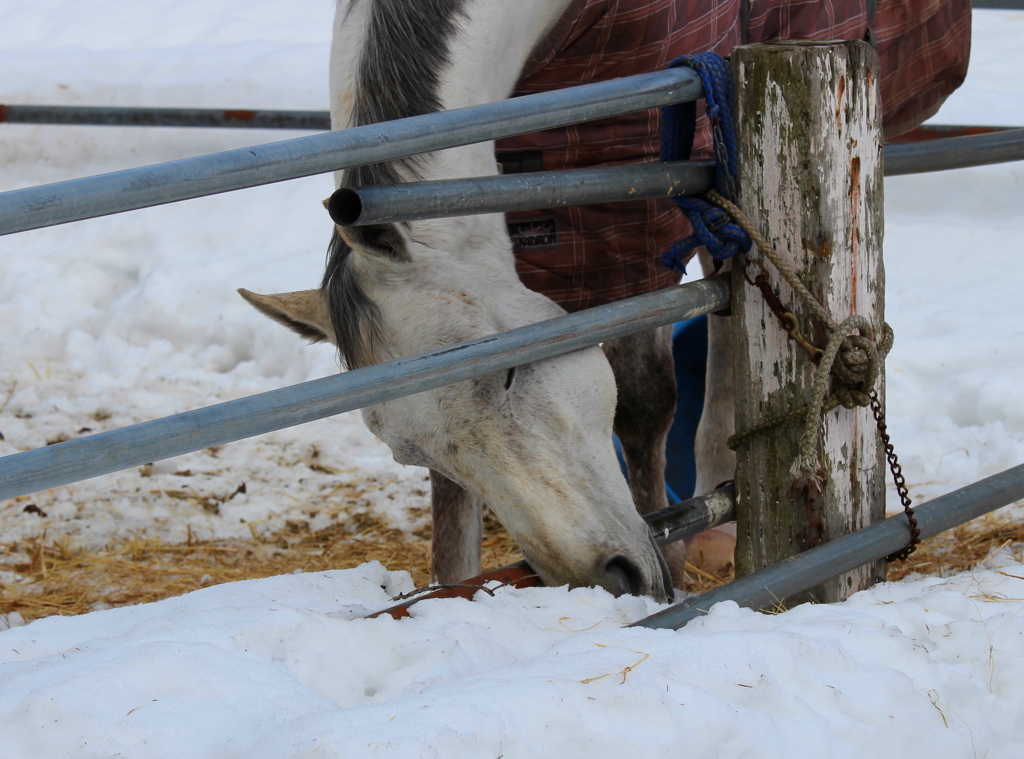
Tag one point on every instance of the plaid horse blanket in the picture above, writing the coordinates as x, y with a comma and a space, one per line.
588, 255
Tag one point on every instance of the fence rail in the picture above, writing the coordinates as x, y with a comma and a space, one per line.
76, 199
147, 186
954, 153
237, 118
263, 118
106, 452
355, 206
764, 589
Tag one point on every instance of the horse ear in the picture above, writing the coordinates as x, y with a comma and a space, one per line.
384, 240
304, 312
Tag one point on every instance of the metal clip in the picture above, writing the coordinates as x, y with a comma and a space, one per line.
793, 329
788, 320
762, 277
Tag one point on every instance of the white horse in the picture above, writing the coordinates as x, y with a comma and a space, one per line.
533, 443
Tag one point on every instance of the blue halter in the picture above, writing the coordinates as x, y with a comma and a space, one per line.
712, 227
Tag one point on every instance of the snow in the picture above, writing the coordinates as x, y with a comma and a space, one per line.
112, 321
284, 667
119, 320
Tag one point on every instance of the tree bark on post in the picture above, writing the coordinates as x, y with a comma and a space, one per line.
810, 177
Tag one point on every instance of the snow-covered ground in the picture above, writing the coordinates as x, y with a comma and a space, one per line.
283, 668
112, 321
134, 317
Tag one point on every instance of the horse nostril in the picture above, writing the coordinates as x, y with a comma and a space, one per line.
624, 576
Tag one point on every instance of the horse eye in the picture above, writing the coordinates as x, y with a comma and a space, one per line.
509, 377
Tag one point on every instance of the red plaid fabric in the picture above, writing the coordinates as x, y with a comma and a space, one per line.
584, 256
924, 46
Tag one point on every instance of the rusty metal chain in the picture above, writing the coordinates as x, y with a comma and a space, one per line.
897, 478
784, 315
792, 328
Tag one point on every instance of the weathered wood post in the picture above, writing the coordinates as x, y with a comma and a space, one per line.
809, 129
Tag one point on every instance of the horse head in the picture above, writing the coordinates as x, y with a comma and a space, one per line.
534, 443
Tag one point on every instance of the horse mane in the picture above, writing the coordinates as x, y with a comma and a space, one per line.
400, 65
404, 52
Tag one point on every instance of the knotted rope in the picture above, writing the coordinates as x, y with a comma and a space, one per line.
854, 360
852, 356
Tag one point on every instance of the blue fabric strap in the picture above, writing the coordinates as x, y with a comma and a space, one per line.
712, 227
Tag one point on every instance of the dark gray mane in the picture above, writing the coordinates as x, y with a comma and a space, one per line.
404, 53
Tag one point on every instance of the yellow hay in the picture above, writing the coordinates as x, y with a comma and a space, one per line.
961, 548
57, 579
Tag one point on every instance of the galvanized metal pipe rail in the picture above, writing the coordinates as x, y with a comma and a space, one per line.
74, 460
355, 206
765, 588
693, 516
77, 199
941, 131
264, 118
62, 202
954, 153
237, 118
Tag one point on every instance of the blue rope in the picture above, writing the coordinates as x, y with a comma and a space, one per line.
712, 227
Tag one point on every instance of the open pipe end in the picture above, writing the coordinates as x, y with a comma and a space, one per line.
345, 207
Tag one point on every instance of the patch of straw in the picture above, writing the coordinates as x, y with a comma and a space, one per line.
961, 548
957, 550
59, 579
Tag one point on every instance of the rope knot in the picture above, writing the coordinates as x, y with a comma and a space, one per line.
852, 363
714, 218
713, 228
855, 368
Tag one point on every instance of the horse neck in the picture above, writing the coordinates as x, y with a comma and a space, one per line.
486, 61
485, 58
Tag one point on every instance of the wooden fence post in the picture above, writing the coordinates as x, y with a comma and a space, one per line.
808, 119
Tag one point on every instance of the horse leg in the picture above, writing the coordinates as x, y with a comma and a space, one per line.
716, 463
646, 380
458, 529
